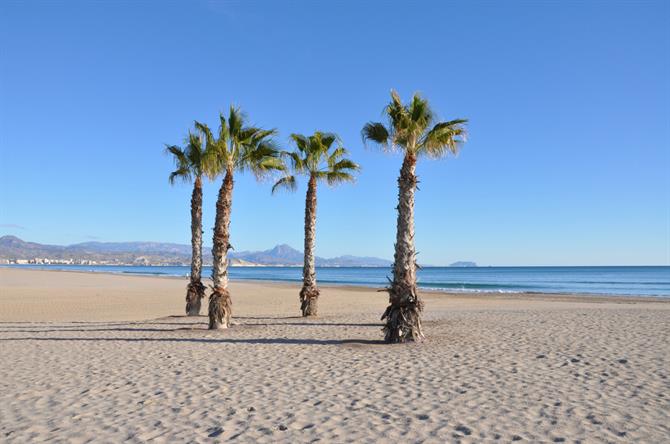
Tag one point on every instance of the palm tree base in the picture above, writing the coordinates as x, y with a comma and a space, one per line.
309, 297
403, 320
220, 309
195, 291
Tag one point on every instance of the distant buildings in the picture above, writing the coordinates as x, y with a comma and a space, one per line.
140, 261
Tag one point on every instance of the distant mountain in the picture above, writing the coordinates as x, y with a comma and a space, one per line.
13, 248
353, 261
286, 255
279, 255
463, 264
136, 247
160, 253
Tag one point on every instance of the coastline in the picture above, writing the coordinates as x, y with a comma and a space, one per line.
56, 295
568, 296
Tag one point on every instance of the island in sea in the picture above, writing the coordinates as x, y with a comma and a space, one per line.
463, 264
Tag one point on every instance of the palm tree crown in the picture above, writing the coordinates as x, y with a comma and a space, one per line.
190, 162
412, 128
239, 147
313, 157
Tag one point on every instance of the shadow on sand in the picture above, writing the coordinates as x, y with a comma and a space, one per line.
180, 327
281, 341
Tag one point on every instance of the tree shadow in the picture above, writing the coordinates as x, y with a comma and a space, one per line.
278, 341
59, 330
45, 327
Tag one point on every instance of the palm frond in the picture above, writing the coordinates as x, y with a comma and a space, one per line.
397, 112
420, 113
179, 155
181, 162
297, 162
286, 182
443, 137
182, 173
345, 165
204, 130
336, 155
235, 120
327, 139
377, 133
336, 177
301, 142
194, 152
261, 158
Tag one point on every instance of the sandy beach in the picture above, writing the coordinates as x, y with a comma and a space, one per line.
107, 358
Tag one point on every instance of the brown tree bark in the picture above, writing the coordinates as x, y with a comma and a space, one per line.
220, 305
403, 315
195, 290
309, 294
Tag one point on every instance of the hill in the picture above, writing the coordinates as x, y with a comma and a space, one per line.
161, 253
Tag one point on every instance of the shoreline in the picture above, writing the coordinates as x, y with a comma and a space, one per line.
568, 296
519, 295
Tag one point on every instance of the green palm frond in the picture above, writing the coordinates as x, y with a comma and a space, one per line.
261, 158
286, 182
195, 153
397, 112
420, 113
337, 177
297, 163
183, 174
443, 137
183, 171
301, 142
205, 131
317, 156
408, 129
326, 139
235, 120
179, 155
336, 155
377, 133
345, 165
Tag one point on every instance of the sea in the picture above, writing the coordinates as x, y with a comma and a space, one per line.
651, 281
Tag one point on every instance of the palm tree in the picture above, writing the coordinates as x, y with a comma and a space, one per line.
236, 148
412, 130
314, 159
190, 164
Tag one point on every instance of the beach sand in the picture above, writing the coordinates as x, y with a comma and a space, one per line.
108, 358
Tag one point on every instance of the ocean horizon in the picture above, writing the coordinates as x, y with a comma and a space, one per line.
646, 281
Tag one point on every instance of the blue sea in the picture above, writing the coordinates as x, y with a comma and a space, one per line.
630, 281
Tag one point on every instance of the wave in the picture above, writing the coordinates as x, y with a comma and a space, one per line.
611, 282
473, 286
154, 273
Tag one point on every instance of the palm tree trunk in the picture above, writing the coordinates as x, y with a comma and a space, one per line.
220, 306
403, 315
195, 291
310, 293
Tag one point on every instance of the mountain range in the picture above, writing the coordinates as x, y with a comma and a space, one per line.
160, 253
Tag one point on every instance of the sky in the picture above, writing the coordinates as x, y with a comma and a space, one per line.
567, 160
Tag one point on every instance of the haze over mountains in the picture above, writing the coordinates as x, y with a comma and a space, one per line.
160, 253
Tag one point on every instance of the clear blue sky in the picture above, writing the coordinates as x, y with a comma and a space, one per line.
568, 160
